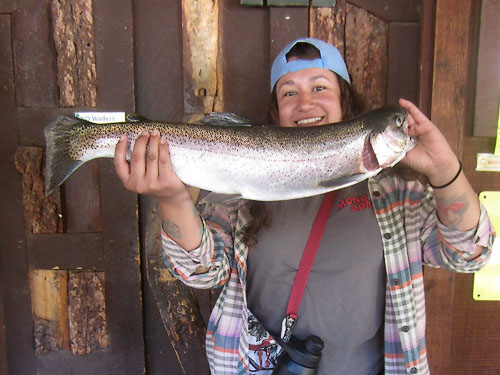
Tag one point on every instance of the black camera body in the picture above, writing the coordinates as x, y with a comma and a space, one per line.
299, 357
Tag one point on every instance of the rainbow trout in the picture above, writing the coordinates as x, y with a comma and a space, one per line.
257, 162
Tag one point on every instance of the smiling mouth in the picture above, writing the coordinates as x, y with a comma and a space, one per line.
308, 121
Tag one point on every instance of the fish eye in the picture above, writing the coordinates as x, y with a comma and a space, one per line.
399, 121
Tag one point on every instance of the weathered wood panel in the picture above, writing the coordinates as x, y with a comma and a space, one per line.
122, 270
49, 301
328, 24
200, 45
403, 61
240, 66
451, 93
475, 337
73, 32
286, 25
13, 268
34, 61
83, 201
41, 215
86, 312
66, 251
366, 55
488, 71
177, 305
392, 10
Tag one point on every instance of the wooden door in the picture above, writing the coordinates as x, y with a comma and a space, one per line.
70, 271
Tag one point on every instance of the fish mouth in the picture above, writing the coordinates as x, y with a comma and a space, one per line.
310, 121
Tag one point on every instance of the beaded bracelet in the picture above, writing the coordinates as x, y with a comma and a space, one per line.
451, 181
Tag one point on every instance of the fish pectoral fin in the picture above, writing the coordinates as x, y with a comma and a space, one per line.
224, 119
213, 197
339, 183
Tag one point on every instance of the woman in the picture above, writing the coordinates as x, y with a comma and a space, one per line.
364, 296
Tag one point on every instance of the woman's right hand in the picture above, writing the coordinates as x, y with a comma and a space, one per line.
149, 171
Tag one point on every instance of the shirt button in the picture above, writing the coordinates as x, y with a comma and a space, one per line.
376, 193
395, 282
387, 236
405, 328
413, 370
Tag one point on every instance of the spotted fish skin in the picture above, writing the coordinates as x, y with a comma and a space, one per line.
258, 162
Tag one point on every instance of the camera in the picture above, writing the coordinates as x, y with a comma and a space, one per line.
299, 357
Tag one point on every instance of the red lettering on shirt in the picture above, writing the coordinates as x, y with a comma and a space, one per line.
357, 203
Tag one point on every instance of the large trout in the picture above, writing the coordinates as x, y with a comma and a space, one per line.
257, 162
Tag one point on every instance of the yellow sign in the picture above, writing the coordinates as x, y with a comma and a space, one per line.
487, 281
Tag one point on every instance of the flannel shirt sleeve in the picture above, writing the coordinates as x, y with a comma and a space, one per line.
453, 249
213, 254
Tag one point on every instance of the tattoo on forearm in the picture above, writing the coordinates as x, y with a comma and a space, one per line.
171, 229
452, 211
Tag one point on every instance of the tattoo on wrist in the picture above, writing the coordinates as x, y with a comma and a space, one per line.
452, 210
171, 229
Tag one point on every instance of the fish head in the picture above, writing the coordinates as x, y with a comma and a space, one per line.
390, 140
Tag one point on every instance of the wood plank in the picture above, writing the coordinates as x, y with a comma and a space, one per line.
33, 56
286, 25
49, 301
200, 45
328, 24
114, 55
178, 307
83, 201
476, 328
403, 62
488, 71
73, 34
41, 214
86, 312
158, 56
13, 255
426, 55
366, 55
449, 112
3, 346
237, 74
66, 251
392, 10
122, 270
8, 6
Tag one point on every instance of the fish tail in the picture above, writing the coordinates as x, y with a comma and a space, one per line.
59, 164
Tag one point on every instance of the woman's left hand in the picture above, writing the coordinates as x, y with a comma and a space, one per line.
432, 155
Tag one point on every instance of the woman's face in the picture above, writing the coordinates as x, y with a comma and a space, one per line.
308, 97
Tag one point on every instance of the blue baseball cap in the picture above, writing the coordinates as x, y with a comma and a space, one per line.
330, 58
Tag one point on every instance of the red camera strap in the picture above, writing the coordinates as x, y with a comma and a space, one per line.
306, 263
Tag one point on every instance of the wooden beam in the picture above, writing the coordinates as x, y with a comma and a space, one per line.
449, 112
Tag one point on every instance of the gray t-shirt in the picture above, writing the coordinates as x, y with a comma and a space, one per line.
344, 298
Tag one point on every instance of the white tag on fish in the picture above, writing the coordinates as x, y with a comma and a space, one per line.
101, 117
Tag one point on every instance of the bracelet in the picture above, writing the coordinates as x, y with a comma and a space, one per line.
451, 181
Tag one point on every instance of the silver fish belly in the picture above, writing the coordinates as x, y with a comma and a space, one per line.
255, 162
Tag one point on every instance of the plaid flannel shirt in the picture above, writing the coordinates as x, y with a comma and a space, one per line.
411, 234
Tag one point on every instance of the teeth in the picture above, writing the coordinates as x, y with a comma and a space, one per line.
308, 120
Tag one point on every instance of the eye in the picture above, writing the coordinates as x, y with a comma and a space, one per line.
399, 121
319, 88
289, 93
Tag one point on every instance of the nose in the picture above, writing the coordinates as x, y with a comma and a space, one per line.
306, 101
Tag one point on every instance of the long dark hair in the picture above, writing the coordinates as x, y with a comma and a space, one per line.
351, 106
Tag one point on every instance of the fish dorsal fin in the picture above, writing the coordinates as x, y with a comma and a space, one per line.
224, 119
